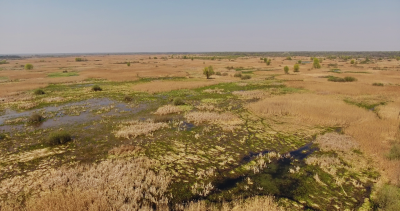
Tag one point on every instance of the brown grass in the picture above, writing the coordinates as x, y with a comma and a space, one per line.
164, 86
109, 185
226, 118
168, 109
132, 129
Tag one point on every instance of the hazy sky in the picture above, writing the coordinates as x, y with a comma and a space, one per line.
72, 26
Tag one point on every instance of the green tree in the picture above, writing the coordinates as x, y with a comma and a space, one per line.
286, 69
296, 68
352, 61
268, 62
299, 62
128, 64
208, 71
316, 64
28, 67
288, 58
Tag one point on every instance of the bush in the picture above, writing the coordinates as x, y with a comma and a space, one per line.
218, 73
128, 64
286, 69
155, 57
349, 79
65, 71
35, 118
58, 138
208, 71
224, 74
288, 58
3, 61
39, 92
28, 67
316, 64
394, 153
2, 136
296, 68
96, 88
352, 61
268, 62
230, 68
299, 62
127, 98
78, 59
377, 84
245, 77
178, 101
239, 74
388, 198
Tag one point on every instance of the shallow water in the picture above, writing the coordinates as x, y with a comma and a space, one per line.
59, 116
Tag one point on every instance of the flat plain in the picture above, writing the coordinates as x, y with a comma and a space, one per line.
150, 132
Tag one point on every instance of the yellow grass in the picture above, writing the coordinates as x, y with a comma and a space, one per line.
164, 86
109, 185
168, 109
132, 129
226, 118
253, 94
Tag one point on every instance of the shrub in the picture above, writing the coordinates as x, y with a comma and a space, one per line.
377, 84
208, 71
268, 62
218, 73
224, 74
128, 64
96, 88
388, 198
335, 79
39, 92
349, 79
239, 74
3, 61
245, 77
296, 68
288, 58
352, 61
65, 71
78, 59
127, 98
58, 138
394, 152
299, 62
35, 118
178, 101
230, 68
28, 67
286, 69
155, 57
2, 136
316, 64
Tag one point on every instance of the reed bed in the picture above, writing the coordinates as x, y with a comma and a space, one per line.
133, 129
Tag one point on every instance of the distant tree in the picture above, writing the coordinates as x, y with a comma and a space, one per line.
316, 64
311, 58
208, 71
286, 69
352, 61
299, 62
128, 64
155, 57
265, 60
192, 58
296, 68
321, 60
288, 58
28, 67
268, 62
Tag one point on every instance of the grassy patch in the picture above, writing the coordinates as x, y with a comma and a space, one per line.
338, 79
363, 104
394, 153
58, 138
62, 74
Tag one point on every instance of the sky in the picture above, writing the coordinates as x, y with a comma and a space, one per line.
105, 26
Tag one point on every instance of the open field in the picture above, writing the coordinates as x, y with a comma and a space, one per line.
99, 134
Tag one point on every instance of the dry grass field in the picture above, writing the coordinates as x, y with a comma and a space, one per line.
99, 134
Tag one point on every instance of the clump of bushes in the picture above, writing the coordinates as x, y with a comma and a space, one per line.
96, 88
394, 152
178, 101
245, 77
3, 61
338, 79
65, 71
128, 64
58, 138
230, 68
316, 63
2, 136
224, 74
35, 118
239, 74
387, 198
352, 61
39, 92
218, 73
80, 59
128, 98
296, 68
28, 67
286, 69
288, 58
377, 84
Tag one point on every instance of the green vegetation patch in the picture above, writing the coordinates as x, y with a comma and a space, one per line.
62, 74
364, 104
